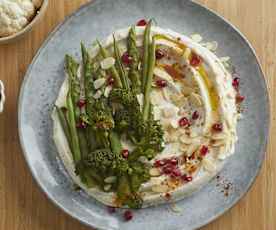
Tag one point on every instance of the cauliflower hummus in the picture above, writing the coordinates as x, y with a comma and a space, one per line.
15, 15
187, 95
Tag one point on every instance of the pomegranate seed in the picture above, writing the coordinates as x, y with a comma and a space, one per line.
239, 98
110, 80
125, 153
176, 173
174, 161
184, 122
187, 178
217, 127
128, 215
167, 170
161, 83
126, 59
81, 103
195, 115
195, 60
192, 157
111, 209
204, 150
142, 22
168, 196
236, 83
159, 163
81, 125
159, 54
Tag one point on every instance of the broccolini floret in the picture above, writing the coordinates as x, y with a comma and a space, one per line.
105, 161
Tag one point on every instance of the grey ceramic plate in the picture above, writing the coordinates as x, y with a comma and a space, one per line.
98, 19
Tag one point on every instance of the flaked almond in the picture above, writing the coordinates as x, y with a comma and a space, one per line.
98, 94
195, 99
107, 91
99, 83
193, 134
166, 123
174, 123
225, 59
196, 38
217, 143
208, 165
168, 112
187, 53
183, 147
166, 94
107, 187
107, 63
160, 188
154, 172
185, 140
219, 136
156, 97
192, 148
156, 113
179, 99
212, 46
110, 179
186, 90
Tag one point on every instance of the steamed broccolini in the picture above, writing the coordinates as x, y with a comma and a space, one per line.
134, 54
107, 123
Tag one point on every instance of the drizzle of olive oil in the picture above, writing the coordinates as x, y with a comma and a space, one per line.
214, 99
178, 43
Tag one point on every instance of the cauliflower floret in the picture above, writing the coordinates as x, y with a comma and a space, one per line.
14, 15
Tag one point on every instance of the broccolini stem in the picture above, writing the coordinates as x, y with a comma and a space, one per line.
123, 189
73, 130
146, 54
134, 54
115, 143
74, 90
74, 82
146, 108
88, 72
64, 124
120, 66
113, 70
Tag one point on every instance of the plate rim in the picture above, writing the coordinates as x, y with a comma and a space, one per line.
48, 39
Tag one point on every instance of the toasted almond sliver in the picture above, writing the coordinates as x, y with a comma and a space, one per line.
196, 38
186, 90
219, 136
99, 83
160, 188
185, 140
208, 165
183, 147
110, 179
98, 94
154, 172
191, 149
174, 123
107, 91
168, 112
195, 99
193, 134
225, 59
218, 143
166, 94
107, 187
107, 63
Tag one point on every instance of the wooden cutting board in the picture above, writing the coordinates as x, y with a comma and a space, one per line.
24, 207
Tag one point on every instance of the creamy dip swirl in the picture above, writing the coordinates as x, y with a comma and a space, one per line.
197, 110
